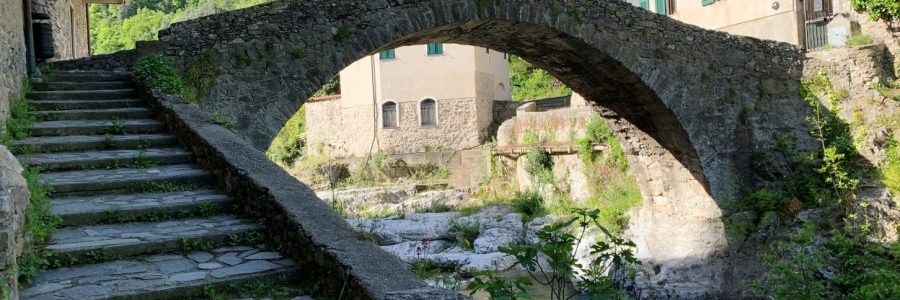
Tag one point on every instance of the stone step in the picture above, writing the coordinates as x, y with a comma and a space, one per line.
111, 208
91, 127
77, 86
87, 77
83, 95
115, 241
107, 159
46, 144
85, 104
164, 276
95, 114
93, 181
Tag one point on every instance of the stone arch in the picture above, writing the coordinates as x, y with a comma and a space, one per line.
674, 93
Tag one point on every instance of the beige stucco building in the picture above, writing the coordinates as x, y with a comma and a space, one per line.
411, 99
807, 23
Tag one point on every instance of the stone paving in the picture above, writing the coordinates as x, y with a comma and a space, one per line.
153, 274
85, 238
121, 157
71, 181
96, 114
94, 126
98, 207
85, 142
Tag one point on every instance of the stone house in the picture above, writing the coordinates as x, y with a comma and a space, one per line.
810, 24
414, 99
69, 24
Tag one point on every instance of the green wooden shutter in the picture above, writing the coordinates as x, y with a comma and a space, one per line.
645, 4
435, 48
661, 7
707, 2
387, 54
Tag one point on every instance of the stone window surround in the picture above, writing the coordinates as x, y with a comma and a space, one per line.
396, 114
437, 118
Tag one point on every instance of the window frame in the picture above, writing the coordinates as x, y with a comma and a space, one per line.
396, 114
434, 110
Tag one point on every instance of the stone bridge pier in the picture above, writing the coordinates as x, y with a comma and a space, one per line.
690, 105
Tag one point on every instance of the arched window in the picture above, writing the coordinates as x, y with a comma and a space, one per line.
389, 115
428, 112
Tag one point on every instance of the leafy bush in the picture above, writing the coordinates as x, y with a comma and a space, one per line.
890, 170
551, 260
844, 266
159, 71
499, 288
530, 204
887, 10
539, 164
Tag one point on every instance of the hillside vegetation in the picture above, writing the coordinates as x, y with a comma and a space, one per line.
118, 27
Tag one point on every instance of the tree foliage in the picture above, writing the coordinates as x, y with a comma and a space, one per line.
529, 82
118, 27
887, 10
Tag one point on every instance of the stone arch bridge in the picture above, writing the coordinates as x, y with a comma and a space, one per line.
690, 105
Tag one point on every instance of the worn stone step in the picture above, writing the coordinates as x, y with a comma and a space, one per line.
95, 114
44, 144
164, 276
91, 127
92, 181
87, 77
107, 158
76, 86
88, 210
86, 104
114, 241
83, 95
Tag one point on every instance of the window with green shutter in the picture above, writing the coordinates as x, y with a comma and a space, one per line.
387, 54
707, 2
435, 48
645, 4
661, 7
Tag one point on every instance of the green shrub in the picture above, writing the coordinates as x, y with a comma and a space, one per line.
539, 164
466, 234
530, 204
859, 40
887, 10
19, 120
159, 71
765, 200
551, 262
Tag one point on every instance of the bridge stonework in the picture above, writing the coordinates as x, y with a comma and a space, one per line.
690, 105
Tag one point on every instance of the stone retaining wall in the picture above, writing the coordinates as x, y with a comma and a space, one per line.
12, 54
14, 198
295, 218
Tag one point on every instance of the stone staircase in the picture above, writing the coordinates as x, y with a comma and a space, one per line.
140, 220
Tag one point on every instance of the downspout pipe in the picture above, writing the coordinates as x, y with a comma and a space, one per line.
31, 63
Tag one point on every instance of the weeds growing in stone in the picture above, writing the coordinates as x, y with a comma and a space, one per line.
40, 223
466, 233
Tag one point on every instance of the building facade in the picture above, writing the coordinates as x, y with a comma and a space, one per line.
809, 24
69, 20
411, 99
